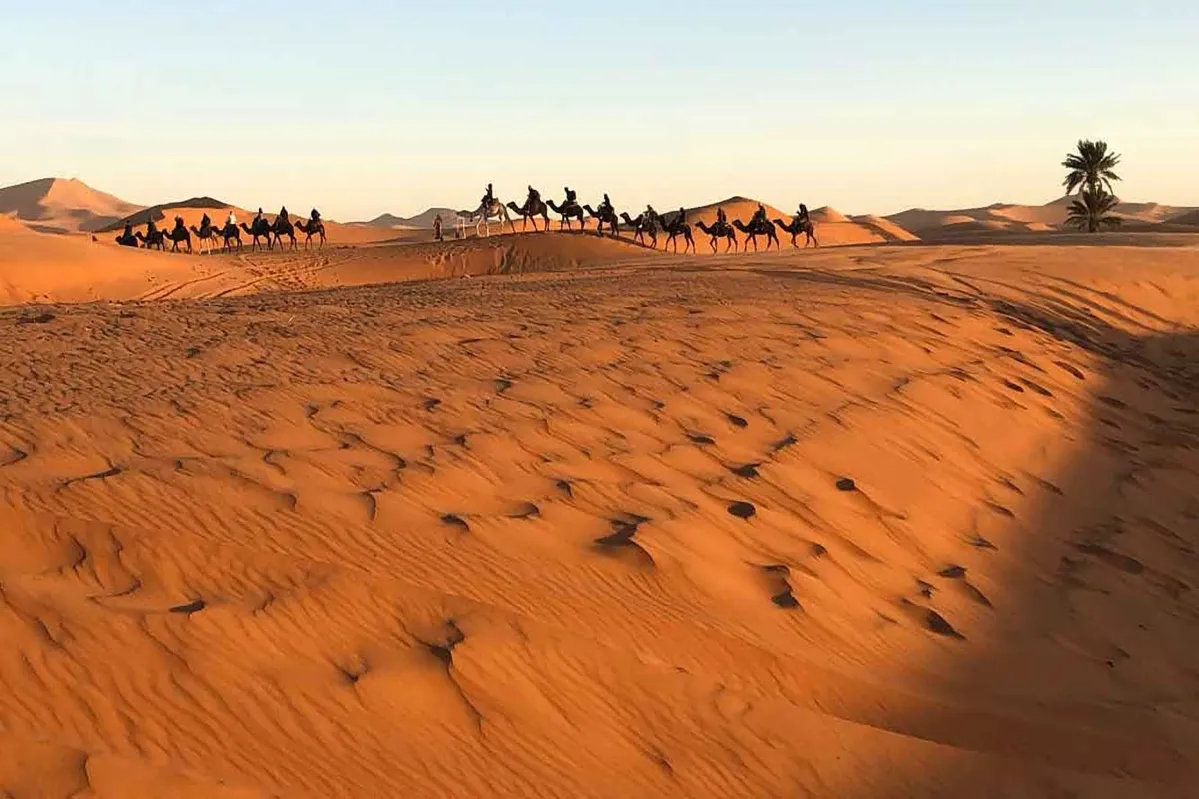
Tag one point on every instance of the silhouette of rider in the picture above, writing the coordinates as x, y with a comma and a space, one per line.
151, 228
572, 197
759, 216
681, 219
488, 196
205, 222
722, 220
127, 236
283, 215
802, 214
605, 207
315, 216
178, 223
257, 217
534, 196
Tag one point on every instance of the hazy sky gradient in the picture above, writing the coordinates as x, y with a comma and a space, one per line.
362, 107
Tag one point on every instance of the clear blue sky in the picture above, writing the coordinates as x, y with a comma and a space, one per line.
364, 106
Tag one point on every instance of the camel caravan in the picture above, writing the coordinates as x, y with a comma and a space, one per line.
212, 238
646, 226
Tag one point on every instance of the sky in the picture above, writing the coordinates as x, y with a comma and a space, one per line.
361, 107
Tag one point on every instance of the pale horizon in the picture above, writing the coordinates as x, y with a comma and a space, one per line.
376, 109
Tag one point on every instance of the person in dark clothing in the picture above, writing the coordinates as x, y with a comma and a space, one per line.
179, 223
205, 222
802, 214
437, 224
257, 217
681, 219
315, 216
283, 217
127, 239
534, 196
605, 208
722, 219
488, 197
572, 197
151, 228
759, 216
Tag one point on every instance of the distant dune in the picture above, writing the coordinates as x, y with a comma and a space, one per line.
58, 205
422, 221
1019, 218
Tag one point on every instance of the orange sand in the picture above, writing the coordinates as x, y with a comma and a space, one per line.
589, 533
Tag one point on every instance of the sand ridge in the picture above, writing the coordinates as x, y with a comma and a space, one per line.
896, 521
57, 205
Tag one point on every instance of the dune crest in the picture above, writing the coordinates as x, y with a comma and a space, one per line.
58, 205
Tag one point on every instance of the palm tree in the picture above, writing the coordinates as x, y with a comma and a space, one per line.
1093, 211
1091, 168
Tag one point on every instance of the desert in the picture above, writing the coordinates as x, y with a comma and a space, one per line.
628, 401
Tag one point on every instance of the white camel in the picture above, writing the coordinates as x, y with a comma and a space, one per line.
483, 215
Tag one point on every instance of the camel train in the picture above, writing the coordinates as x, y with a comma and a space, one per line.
646, 226
215, 238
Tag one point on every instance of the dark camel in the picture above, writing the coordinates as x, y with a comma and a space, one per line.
568, 211
127, 239
644, 225
797, 226
720, 231
153, 238
281, 228
673, 229
315, 227
231, 234
606, 215
261, 230
177, 235
758, 228
534, 207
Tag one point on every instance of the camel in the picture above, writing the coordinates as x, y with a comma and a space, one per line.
755, 229
154, 238
605, 216
796, 227
642, 226
483, 215
207, 235
281, 228
569, 211
177, 235
230, 234
720, 231
261, 230
529, 212
127, 239
677, 227
315, 227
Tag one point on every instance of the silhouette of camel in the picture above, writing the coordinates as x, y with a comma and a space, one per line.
313, 228
529, 212
677, 227
720, 231
755, 229
795, 227
153, 239
127, 240
642, 227
281, 228
178, 234
230, 234
483, 215
569, 211
261, 230
606, 216
207, 236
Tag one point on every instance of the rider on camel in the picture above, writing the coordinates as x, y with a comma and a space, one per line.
179, 223
681, 219
605, 208
802, 214
315, 217
534, 197
722, 219
759, 216
205, 222
488, 197
257, 217
283, 215
151, 228
127, 239
572, 197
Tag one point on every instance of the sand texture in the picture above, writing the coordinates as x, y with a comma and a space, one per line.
895, 521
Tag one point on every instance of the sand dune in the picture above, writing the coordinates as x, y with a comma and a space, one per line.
885, 227
1020, 218
57, 205
877, 522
